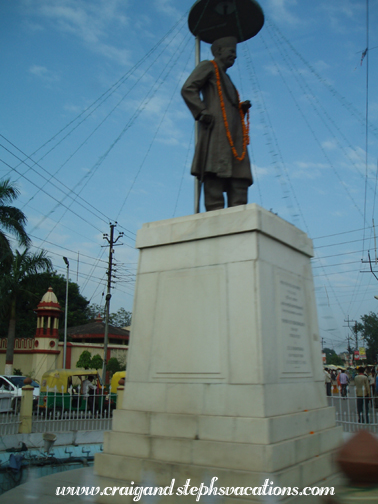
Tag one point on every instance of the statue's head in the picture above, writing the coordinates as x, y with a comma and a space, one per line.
224, 50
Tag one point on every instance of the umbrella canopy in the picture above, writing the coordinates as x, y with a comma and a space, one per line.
214, 19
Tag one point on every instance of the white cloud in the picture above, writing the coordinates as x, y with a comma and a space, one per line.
44, 74
261, 171
89, 21
280, 10
320, 66
338, 11
166, 7
330, 144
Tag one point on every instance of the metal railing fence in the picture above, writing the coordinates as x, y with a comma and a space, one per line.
355, 413
61, 412
10, 419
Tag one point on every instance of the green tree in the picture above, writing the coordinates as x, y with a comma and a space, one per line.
24, 265
84, 360
12, 220
120, 318
335, 360
369, 331
36, 287
113, 365
96, 362
332, 357
93, 310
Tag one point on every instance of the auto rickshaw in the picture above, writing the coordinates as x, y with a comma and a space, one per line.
61, 390
113, 388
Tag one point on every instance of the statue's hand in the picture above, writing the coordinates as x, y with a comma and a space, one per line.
246, 105
205, 119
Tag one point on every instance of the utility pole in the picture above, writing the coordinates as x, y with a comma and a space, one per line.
112, 243
354, 330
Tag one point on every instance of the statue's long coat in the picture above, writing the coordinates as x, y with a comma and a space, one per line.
213, 152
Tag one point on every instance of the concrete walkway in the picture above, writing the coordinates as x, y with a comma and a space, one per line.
43, 490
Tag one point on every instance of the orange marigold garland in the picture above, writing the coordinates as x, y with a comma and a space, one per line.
245, 127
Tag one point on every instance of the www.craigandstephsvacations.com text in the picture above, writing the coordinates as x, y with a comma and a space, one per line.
137, 492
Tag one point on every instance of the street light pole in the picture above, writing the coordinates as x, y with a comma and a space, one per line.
65, 315
197, 182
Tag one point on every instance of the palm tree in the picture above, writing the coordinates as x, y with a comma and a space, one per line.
23, 266
12, 220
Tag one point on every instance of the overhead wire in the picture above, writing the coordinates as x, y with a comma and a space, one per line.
45, 192
338, 234
311, 96
334, 92
173, 62
109, 92
270, 139
317, 141
311, 129
255, 175
49, 181
87, 177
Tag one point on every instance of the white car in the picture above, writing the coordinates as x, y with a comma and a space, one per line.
13, 385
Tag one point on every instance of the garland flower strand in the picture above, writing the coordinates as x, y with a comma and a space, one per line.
245, 127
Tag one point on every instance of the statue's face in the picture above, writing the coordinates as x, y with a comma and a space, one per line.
227, 56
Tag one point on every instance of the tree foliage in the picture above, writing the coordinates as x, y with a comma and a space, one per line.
96, 362
36, 287
114, 365
84, 360
121, 318
23, 269
335, 360
12, 220
80, 312
332, 357
368, 328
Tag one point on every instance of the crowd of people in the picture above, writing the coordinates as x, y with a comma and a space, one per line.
365, 381
87, 388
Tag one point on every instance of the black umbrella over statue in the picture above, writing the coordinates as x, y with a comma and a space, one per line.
212, 19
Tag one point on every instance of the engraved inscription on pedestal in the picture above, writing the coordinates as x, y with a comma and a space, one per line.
293, 327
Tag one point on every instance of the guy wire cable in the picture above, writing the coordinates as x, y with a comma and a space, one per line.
348, 106
102, 158
319, 107
315, 136
160, 122
136, 82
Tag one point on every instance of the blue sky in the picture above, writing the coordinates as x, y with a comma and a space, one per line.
90, 91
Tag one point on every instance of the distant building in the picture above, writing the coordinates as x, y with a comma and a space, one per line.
37, 355
94, 332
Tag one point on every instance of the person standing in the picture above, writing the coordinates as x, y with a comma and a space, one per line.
361, 383
89, 389
328, 381
344, 381
371, 379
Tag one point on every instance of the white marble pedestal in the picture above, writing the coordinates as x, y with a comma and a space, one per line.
224, 372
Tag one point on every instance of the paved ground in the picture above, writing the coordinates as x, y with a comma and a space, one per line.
43, 490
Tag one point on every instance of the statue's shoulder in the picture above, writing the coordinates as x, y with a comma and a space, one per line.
204, 69
205, 64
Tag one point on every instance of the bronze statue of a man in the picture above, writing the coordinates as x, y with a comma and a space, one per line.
221, 158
